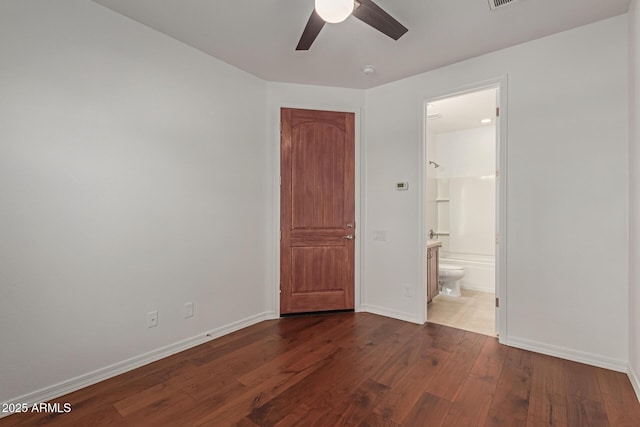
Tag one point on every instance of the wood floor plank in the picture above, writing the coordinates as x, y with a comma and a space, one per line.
454, 371
584, 412
335, 381
400, 401
375, 420
429, 411
168, 407
268, 381
581, 380
351, 369
313, 418
510, 405
349, 375
219, 347
548, 400
396, 367
472, 404
242, 406
585, 405
155, 396
246, 422
488, 365
294, 417
218, 377
276, 409
619, 398
361, 403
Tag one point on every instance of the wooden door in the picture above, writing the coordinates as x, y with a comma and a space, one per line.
317, 219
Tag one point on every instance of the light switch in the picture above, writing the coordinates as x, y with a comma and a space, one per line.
402, 186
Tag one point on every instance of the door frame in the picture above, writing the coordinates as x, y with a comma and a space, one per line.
501, 286
359, 228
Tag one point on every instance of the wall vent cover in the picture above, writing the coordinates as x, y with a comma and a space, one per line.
494, 4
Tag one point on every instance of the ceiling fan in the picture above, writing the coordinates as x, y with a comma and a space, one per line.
335, 11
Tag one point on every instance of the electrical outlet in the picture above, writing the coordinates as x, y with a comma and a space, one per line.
152, 319
188, 310
407, 291
380, 236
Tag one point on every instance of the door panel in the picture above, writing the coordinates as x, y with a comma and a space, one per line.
317, 211
317, 168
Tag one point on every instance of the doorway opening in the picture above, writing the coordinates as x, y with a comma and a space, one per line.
464, 199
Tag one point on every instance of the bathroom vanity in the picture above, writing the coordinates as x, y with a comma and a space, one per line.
433, 249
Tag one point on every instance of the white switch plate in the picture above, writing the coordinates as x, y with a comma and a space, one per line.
380, 236
408, 291
402, 186
152, 319
188, 310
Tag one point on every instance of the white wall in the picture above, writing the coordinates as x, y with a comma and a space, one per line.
467, 152
472, 216
316, 98
467, 161
634, 195
132, 178
567, 189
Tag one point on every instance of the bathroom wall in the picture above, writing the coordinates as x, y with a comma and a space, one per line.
467, 152
466, 207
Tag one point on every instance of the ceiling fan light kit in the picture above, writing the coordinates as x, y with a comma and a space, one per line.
338, 10
334, 11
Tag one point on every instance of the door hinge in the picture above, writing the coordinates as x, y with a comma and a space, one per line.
497, 302
497, 239
497, 111
497, 173
280, 180
280, 234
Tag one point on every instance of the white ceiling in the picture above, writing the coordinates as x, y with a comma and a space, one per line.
260, 36
463, 111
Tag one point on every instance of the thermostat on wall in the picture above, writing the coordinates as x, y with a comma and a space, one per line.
402, 186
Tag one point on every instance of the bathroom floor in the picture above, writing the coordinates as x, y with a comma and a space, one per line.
473, 311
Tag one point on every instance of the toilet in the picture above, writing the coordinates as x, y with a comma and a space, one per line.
449, 279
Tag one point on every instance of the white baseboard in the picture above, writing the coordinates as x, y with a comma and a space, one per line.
569, 354
271, 315
90, 378
407, 317
635, 381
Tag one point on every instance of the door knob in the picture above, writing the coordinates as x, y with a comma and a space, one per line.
348, 236
350, 225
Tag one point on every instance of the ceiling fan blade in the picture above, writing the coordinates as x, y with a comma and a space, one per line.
311, 31
370, 13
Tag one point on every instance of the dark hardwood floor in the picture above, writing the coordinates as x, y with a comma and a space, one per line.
353, 370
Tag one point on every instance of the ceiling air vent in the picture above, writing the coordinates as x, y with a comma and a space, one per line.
495, 4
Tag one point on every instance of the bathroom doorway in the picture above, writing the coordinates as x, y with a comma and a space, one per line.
462, 209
